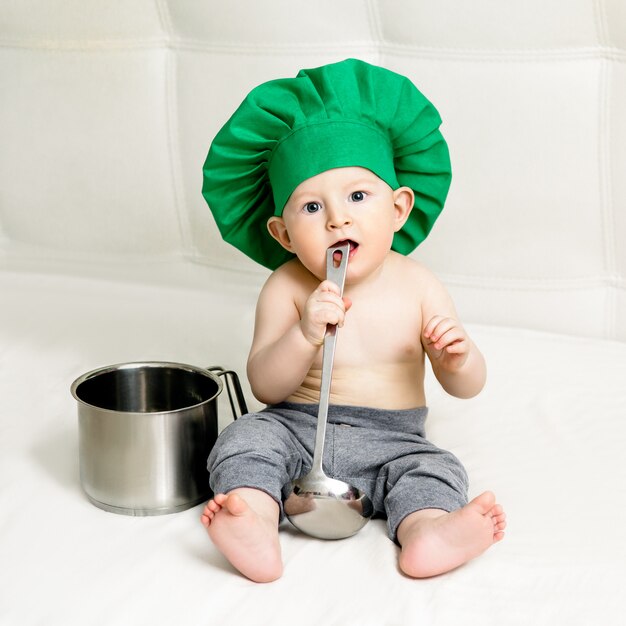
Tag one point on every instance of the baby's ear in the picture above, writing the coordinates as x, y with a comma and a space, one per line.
278, 230
403, 200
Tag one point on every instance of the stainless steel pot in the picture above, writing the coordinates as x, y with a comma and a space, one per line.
145, 432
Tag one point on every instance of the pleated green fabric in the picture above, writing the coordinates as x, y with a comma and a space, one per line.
343, 114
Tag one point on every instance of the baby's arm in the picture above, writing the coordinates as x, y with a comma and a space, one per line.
457, 363
286, 341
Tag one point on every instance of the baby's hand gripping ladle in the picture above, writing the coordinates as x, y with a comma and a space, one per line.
318, 505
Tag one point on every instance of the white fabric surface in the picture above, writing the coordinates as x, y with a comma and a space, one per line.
109, 254
547, 435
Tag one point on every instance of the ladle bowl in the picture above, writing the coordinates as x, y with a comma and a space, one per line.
318, 505
327, 508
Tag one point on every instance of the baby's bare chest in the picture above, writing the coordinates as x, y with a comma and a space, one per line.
378, 332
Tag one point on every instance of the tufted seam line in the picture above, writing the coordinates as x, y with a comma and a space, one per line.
371, 47
171, 128
534, 284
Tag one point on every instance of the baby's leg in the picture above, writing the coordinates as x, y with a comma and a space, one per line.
243, 525
260, 452
434, 542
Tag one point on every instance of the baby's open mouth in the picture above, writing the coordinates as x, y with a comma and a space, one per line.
353, 247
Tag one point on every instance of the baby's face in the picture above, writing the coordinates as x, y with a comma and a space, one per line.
348, 204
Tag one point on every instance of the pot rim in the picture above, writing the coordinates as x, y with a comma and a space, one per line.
106, 369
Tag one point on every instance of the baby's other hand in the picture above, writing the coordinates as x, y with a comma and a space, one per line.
325, 306
446, 342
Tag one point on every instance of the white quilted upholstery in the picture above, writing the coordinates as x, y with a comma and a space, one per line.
108, 111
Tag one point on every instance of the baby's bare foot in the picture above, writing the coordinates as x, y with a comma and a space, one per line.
434, 542
247, 538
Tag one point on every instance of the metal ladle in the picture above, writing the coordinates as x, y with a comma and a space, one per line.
320, 506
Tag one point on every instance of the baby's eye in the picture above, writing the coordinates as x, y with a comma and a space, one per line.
312, 207
357, 196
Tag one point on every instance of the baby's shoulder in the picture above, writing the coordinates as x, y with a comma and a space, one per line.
290, 278
409, 270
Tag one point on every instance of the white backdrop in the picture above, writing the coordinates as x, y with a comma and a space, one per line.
108, 109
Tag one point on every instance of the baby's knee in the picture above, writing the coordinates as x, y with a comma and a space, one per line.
253, 454
248, 437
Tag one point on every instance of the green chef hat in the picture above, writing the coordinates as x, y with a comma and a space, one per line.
344, 114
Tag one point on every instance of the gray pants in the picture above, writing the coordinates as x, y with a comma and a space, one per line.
381, 452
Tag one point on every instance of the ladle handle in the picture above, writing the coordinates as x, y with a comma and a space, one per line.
338, 276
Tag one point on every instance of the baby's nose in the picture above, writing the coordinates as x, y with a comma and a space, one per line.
338, 217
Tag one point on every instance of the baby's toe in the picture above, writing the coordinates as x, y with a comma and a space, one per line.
213, 506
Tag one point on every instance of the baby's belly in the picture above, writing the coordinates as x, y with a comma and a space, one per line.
393, 386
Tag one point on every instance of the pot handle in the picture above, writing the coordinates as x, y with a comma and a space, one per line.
231, 378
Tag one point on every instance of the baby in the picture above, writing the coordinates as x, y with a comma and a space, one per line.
393, 313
